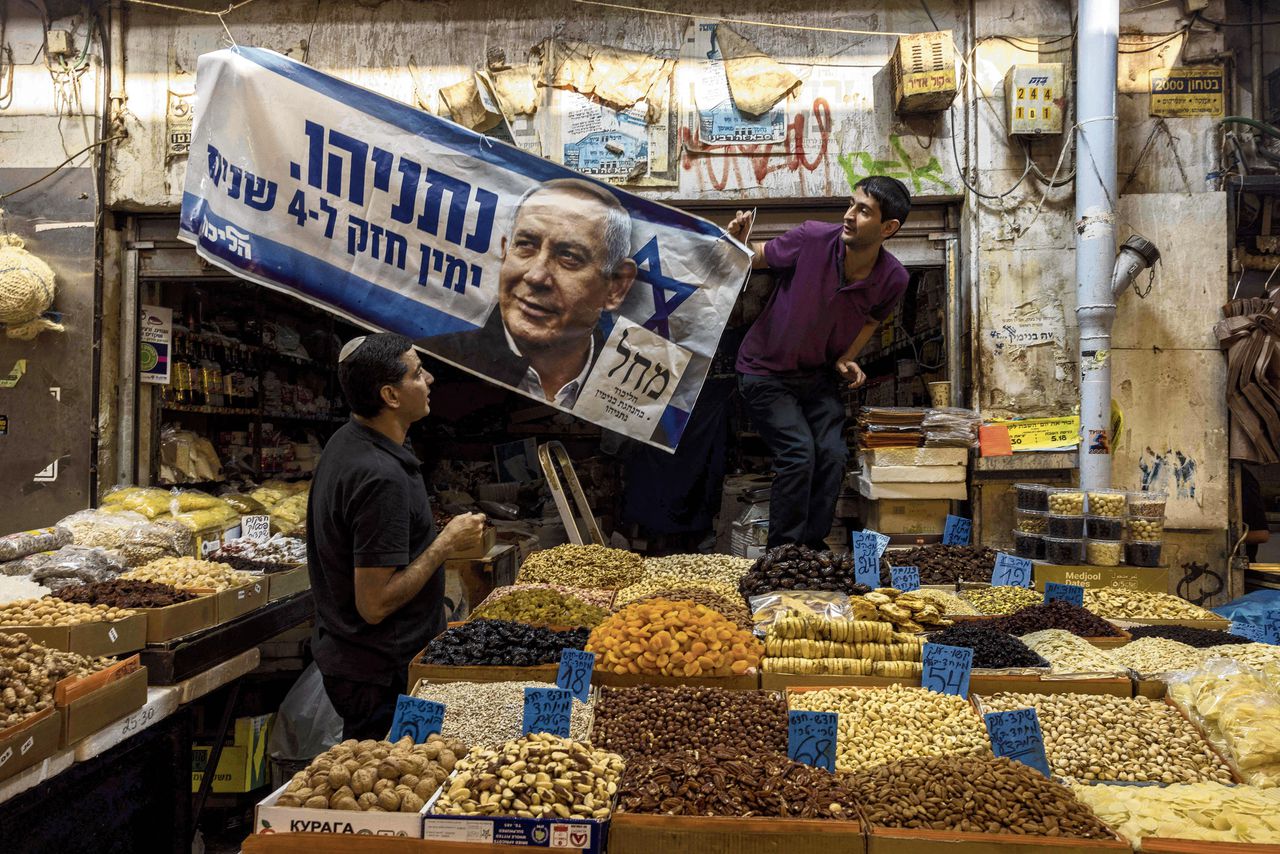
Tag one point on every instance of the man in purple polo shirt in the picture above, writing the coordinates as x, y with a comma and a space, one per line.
836, 283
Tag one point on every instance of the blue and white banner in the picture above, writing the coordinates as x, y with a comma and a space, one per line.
511, 267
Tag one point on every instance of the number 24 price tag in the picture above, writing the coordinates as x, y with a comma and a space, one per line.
945, 669
811, 738
575, 672
866, 559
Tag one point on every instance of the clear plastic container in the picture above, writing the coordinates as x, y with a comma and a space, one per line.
1103, 528
1143, 553
1066, 527
1143, 530
1148, 505
1064, 551
1067, 502
1032, 496
1028, 545
1106, 502
1103, 552
1031, 522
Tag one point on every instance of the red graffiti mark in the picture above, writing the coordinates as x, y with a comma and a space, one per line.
790, 155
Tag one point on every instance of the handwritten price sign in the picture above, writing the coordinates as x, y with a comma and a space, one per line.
957, 532
866, 559
882, 541
1072, 593
811, 738
1017, 735
945, 669
1011, 571
547, 710
575, 672
905, 578
416, 718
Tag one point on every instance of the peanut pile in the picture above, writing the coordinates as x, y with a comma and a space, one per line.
188, 572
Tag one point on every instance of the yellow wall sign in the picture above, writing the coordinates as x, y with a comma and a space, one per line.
1043, 434
1190, 90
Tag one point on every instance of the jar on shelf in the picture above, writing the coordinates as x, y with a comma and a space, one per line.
1031, 521
1064, 551
1103, 528
1068, 502
1066, 527
1031, 496
1147, 553
1028, 545
1106, 502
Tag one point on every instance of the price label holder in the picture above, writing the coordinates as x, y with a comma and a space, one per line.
547, 710
574, 675
256, 528
1072, 593
1017, 735
811, 738
945, 669
882, 541
905, 578
1252, 631
957, 532
417, 718
1011, 571
866, 559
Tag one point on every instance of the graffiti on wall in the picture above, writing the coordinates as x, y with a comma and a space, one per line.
859, 164
1160, 471
802, 151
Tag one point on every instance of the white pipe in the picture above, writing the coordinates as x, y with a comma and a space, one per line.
1096, 230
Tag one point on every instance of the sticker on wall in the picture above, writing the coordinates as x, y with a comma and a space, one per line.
1099, 442
155, 340
178, 120
48, 474
15, 374
4, 425
1187, 91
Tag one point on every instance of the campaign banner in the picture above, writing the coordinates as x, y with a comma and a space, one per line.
511, 267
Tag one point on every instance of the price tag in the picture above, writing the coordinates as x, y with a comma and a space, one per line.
416, 718
905, 578
945, 669
1017, 735
1252, 631
547, 710
866, 559
1272, 625
575, 672
882, 541
1011, 571
1072, 593
957, 531
811, 738
256, 528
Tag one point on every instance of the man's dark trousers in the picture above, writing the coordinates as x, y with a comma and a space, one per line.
801, 419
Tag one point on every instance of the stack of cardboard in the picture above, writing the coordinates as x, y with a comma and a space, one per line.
909, 490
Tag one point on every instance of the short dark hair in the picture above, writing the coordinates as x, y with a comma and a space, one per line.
892, 194
373, 363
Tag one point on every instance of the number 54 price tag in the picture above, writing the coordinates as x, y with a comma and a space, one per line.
945, 669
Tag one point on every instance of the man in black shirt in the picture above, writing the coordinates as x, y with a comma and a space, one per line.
375, 559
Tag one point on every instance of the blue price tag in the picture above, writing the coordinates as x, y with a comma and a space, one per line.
1252, 631
416, 718
882, 541
1011, 571
547, 710
945, 669
905, 578
1272, 625
866, 560
957, 531
1017, 735
811, 738
575, 672
1072, 593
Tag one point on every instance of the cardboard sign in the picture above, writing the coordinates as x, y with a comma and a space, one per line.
882, 541
416, 718
945, 669
1011, 571
575, 672
1066, 592
811, 738
1017, 735
547, 710
866, 560
957, 531
256, 528
905, 578
1252, 631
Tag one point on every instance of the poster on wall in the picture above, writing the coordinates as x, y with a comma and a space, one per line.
155, 343
513, 268
718, 119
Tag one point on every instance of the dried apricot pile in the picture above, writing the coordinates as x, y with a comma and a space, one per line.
683, 638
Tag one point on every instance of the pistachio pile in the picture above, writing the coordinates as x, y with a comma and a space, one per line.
1155, 656
489, 714
601, 598
582, 566
373, 776
1097, 738
537, 776
881, 725
54, 612
1001, 600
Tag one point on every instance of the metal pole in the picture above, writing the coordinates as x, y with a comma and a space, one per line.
1096, 230
127, 400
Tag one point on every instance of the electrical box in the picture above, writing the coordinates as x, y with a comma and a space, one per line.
1034, 98
924, 73
59, 42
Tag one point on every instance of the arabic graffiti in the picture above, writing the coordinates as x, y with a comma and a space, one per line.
861, 164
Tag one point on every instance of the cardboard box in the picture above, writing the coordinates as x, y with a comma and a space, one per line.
1220, 625
649, 834
915, 457
287, 583
242, 766
87, 714
1154, 580
1193, 846
481, 548
906, 516
958, 491
29, 741
588, 836
239, 601
180, 620
892, 840
915, 474
269, 818
90, 639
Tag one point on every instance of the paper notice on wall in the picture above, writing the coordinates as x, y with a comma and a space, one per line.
719, 121
633, 379
597, 140
178, 119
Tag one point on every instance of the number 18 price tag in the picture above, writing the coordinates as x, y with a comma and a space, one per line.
575, 672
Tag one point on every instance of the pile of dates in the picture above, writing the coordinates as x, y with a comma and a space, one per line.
795, 567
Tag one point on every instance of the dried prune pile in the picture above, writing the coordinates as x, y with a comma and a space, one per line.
795, 567
502, 643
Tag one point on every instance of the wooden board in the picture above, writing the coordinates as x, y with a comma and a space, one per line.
651, 834
888, 840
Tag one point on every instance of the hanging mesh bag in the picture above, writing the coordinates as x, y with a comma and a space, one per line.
26, 291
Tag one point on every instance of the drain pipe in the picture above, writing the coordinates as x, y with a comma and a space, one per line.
1096, 230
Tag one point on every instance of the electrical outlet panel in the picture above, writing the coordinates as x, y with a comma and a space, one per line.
1035, 98
59, 42
1191, 6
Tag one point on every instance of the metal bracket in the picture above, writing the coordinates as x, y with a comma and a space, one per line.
549, 454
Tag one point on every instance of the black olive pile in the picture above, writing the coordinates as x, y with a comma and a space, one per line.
502, 643
1199, 638
794, 567
991, 648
